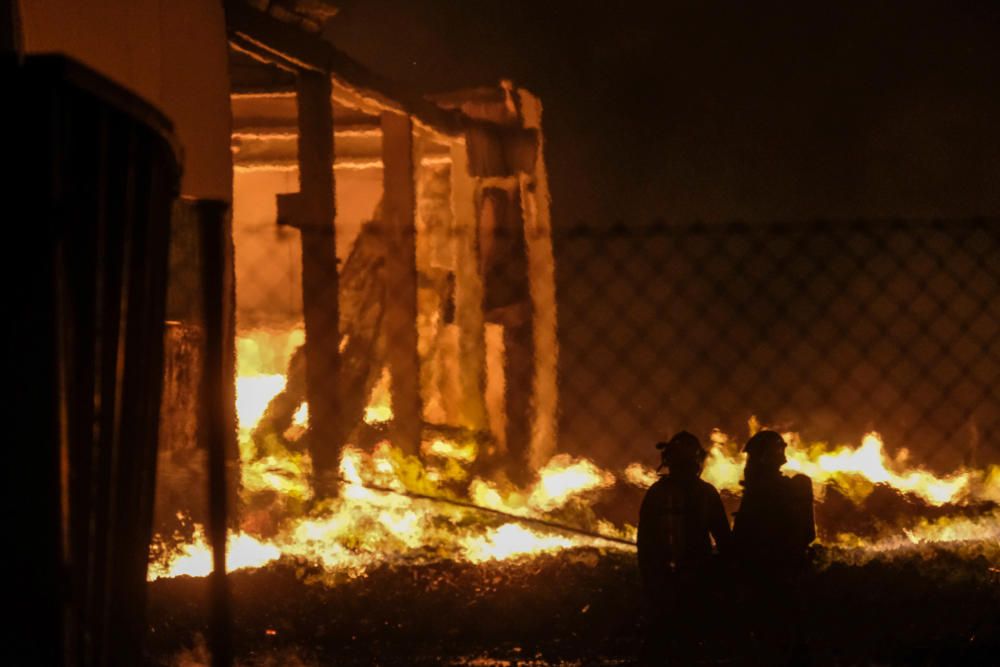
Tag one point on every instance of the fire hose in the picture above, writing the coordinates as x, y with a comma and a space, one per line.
553, 525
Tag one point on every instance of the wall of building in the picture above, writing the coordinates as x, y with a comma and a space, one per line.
268, 258
172, 53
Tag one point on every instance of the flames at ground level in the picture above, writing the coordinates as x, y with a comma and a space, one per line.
388, 508
391, 507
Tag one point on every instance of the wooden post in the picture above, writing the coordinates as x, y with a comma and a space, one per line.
399, 216
541, 270
312, 211
503, 254
468, 292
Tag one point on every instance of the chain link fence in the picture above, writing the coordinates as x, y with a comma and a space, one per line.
829, 329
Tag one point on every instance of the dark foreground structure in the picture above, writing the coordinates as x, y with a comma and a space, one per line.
85, 352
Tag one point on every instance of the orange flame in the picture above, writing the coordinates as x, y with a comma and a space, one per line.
365, 526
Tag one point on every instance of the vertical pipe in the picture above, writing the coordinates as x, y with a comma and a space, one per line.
214, 426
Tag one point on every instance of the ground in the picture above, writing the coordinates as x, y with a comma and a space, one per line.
928, 606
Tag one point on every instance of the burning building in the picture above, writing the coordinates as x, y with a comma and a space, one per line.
392, 266
355, 288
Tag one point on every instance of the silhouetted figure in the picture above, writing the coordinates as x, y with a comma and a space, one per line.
771, 536
680, 516
774, 525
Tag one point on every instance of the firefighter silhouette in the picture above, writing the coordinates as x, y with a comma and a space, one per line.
774, 525
771, 536
679, 518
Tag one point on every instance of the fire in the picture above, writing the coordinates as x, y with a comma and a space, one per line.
561, 478
511, 540
379, 408
723, 468
253, 393
853, 469
195, 558
639, 475
856, 469
561, 481
979, 535
262, 360
301, 416
446, 449
393, 507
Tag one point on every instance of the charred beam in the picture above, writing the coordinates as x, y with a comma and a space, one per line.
311, 211
399, 203
468, 293
256, 33
535, 200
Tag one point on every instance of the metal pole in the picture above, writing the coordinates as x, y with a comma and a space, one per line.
214, 428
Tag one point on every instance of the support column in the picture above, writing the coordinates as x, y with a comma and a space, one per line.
504, 258
535, 199
312, 211
399, 219
468, 292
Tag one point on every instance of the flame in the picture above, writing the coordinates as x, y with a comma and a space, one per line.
195, 558
364, 526
724, 463
856, 469
379, 409
261, 362
973, 536
560, 481
511, 540
562, 478
253, 393
447, 449
381, 513
639, 475
301, 416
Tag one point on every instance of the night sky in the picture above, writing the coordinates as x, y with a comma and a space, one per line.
725, 111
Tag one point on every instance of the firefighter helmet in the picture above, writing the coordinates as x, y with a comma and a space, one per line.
682, 448
766, 445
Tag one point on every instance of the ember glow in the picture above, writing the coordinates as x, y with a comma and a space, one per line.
389, 507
